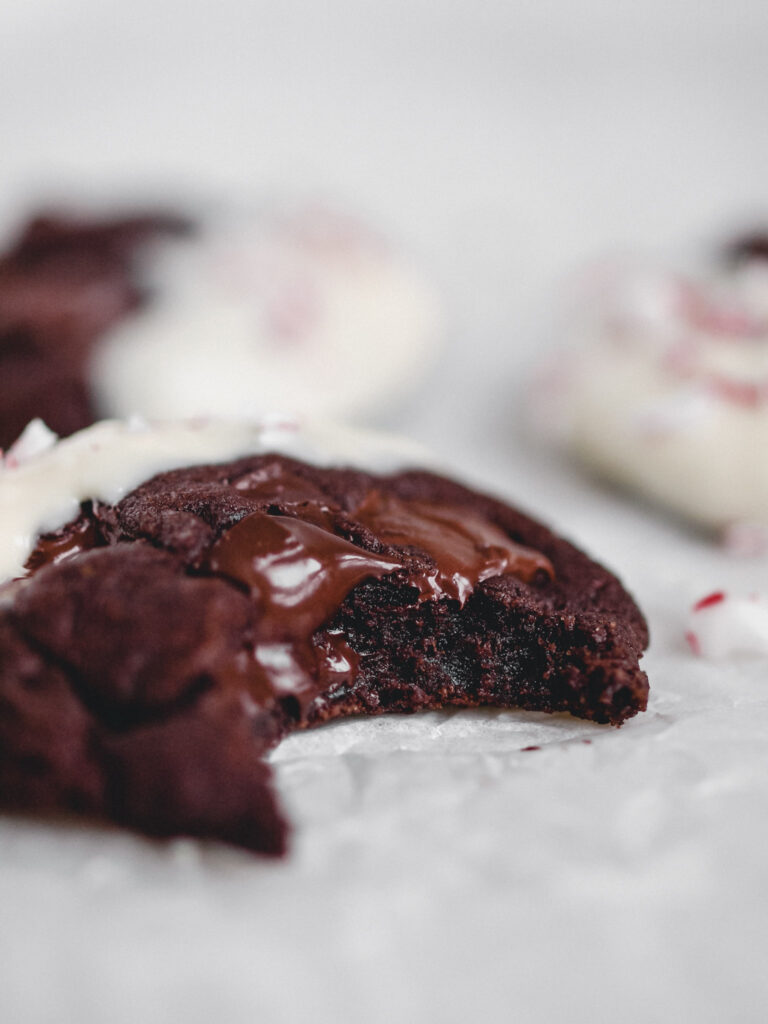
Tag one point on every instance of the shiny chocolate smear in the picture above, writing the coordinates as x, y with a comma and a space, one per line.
299, 574
79, 536
465, 547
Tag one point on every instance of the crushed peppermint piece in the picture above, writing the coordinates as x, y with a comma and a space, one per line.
723, 626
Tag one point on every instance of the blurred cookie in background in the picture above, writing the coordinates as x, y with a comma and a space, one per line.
298, 309
64, 281
663, 388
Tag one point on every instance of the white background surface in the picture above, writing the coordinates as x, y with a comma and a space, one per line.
438, 872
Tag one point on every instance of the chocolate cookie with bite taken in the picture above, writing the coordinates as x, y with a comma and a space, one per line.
159, 645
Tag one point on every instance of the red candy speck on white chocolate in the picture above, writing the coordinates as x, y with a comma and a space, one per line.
693, 642
728, 321
709, 600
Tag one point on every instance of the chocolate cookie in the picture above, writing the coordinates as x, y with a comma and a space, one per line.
160, 645
63, 283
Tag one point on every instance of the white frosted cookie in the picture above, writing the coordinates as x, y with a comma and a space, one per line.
664, 390
299, 310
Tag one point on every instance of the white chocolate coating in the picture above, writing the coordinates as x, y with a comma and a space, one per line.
44, 481
302, 312
665, 391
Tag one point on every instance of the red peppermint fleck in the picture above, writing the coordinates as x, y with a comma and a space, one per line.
718, 318
742, 393
693, 643
277, 422
706, 602
728, 323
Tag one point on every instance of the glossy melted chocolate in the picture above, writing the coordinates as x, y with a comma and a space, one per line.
298, 574
298, 570
79, 536
466, 548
